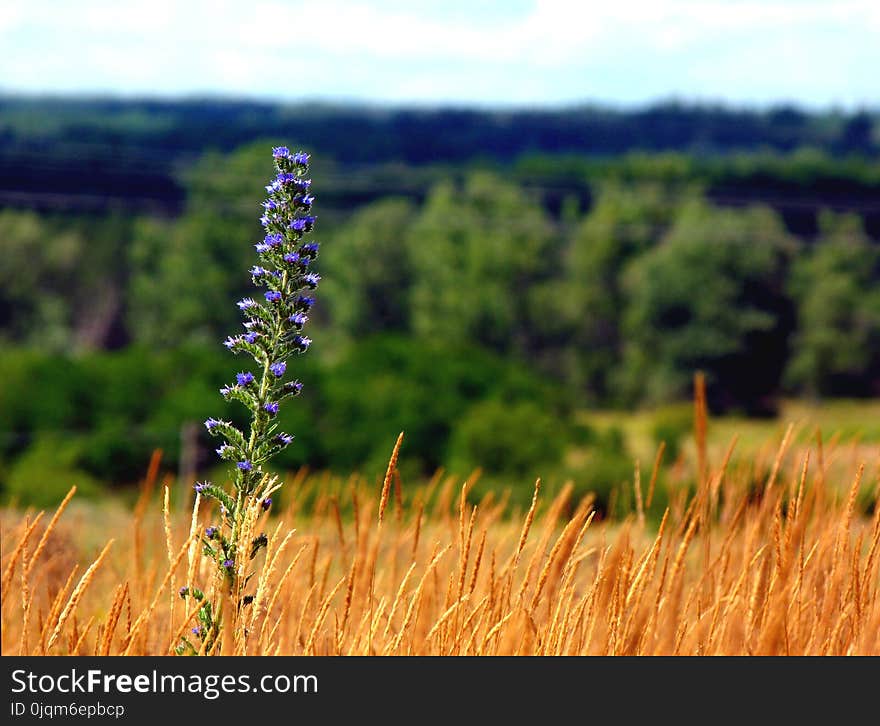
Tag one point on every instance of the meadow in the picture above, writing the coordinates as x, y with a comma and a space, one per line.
762, 547
532, 310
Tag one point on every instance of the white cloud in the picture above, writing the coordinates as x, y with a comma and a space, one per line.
550, 50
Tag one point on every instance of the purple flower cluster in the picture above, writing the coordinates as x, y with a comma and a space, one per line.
273, 332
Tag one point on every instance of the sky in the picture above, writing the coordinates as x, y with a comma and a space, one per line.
464, 52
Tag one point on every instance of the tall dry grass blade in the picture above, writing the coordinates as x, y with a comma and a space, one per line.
655, 471
16, 553
530, 516
386, 484
780, 454
77, 594
48, 531
701, 419
415, 599
637, 486
112, 619
146, 614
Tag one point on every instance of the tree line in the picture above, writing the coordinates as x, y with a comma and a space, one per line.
472, 315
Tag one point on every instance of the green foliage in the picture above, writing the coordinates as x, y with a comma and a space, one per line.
708, 297
836, 287
624, 223
477, 251
184, 275
670, 425
36, 269
610, 275
117, 407
55, 289
44, 474
805, 167
517, 440
120, 406
390, 384
607, 467
368, 271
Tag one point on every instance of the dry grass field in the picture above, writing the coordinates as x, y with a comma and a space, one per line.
767, 554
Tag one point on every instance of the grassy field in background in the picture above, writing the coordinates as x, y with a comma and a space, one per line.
856, 422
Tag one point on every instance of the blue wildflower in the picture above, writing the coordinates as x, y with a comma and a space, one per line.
285, 439
302, 224
250, 337
266, 503
245, 465
256, 271
298, 320
272, 296
310, 249
201, 487
229, 564
211, 532
278, 368
211, 424
244, 379
301, 342
303, 302
280, 152
274, 239
246, 303
291, 258
312, 279
271, 407
183, 591
301, 158
293, 388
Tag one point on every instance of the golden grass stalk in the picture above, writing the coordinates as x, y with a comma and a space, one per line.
77, 594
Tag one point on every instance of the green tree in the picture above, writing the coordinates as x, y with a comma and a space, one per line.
711, 297
518, 439
837, 291
478, 251
183, 275
367, 270
34, 262
625, 221
60, 279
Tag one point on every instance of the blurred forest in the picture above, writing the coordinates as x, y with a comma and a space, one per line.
487, 275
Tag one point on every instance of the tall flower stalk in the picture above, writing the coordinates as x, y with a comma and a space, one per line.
273, 333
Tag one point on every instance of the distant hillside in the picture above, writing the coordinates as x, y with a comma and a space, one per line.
91, 154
